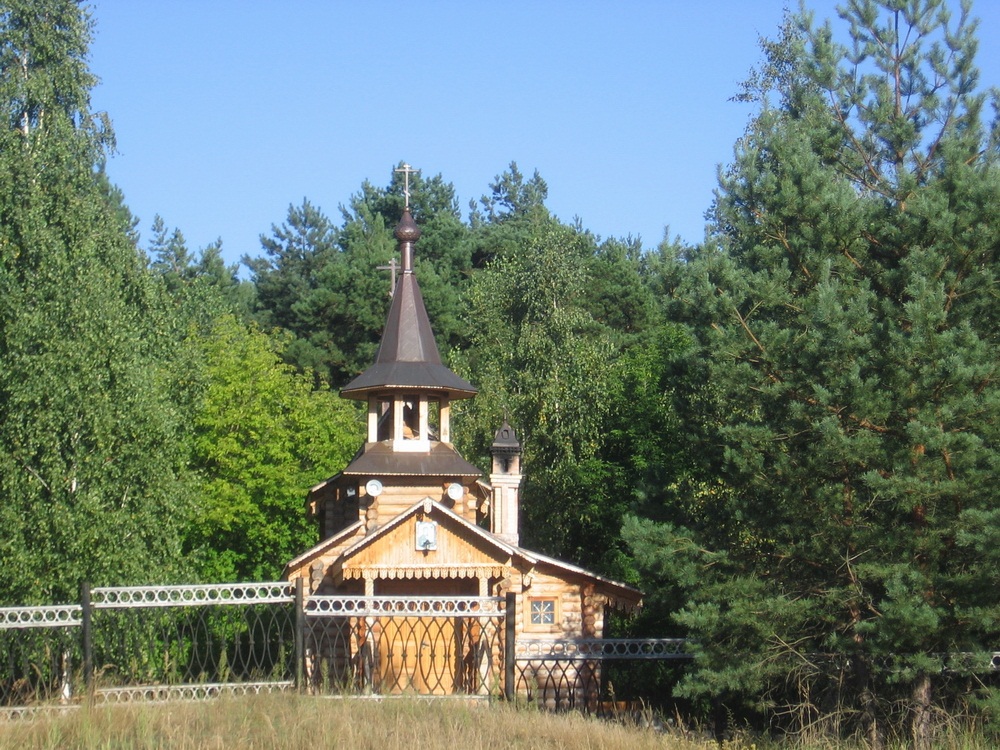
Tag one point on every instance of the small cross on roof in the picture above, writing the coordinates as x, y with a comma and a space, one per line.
407, 170
393, 266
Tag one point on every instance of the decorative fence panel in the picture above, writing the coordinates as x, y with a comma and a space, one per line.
391, 645
189, 642
597, 675
153, 642
41, 654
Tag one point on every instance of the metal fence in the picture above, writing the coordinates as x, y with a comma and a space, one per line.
191, 642
388, 645
597, 675
156, 642
42, 652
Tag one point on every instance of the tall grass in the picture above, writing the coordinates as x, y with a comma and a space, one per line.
292, 721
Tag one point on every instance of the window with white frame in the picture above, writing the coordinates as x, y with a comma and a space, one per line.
542, 611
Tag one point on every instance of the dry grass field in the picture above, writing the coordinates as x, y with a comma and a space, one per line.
291, 721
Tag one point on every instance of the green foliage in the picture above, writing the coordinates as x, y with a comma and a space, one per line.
89, 467
540, 358
671, 562
847, 317
286, 277
262, 437
617, 296
511, 198
197, 288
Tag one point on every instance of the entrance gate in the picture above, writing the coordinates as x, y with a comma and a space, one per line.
388, 644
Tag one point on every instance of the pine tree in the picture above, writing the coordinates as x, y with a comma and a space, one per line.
847, 308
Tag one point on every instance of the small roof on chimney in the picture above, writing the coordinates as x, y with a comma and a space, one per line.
505, 441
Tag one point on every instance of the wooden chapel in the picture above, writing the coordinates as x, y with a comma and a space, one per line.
409, 516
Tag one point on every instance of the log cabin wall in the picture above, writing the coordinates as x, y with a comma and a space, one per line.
398, 497
337, 505
334, 507
576, 611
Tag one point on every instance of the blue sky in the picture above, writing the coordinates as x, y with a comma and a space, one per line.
227, 112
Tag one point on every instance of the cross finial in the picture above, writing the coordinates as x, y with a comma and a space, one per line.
407, 170
391, 267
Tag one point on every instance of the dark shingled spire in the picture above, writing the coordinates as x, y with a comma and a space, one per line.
408, 356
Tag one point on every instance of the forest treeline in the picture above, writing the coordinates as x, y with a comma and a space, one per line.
786, 435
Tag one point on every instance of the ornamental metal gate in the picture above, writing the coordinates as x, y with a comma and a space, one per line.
388, 645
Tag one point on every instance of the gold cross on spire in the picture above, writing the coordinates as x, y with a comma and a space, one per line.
407, 170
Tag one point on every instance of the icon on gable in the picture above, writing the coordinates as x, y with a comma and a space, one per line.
427, 535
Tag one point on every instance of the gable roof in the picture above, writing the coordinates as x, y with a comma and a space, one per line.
507, 550
324, 546
619, 593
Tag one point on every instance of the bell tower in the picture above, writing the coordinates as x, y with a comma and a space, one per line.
408, 454
506, 480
